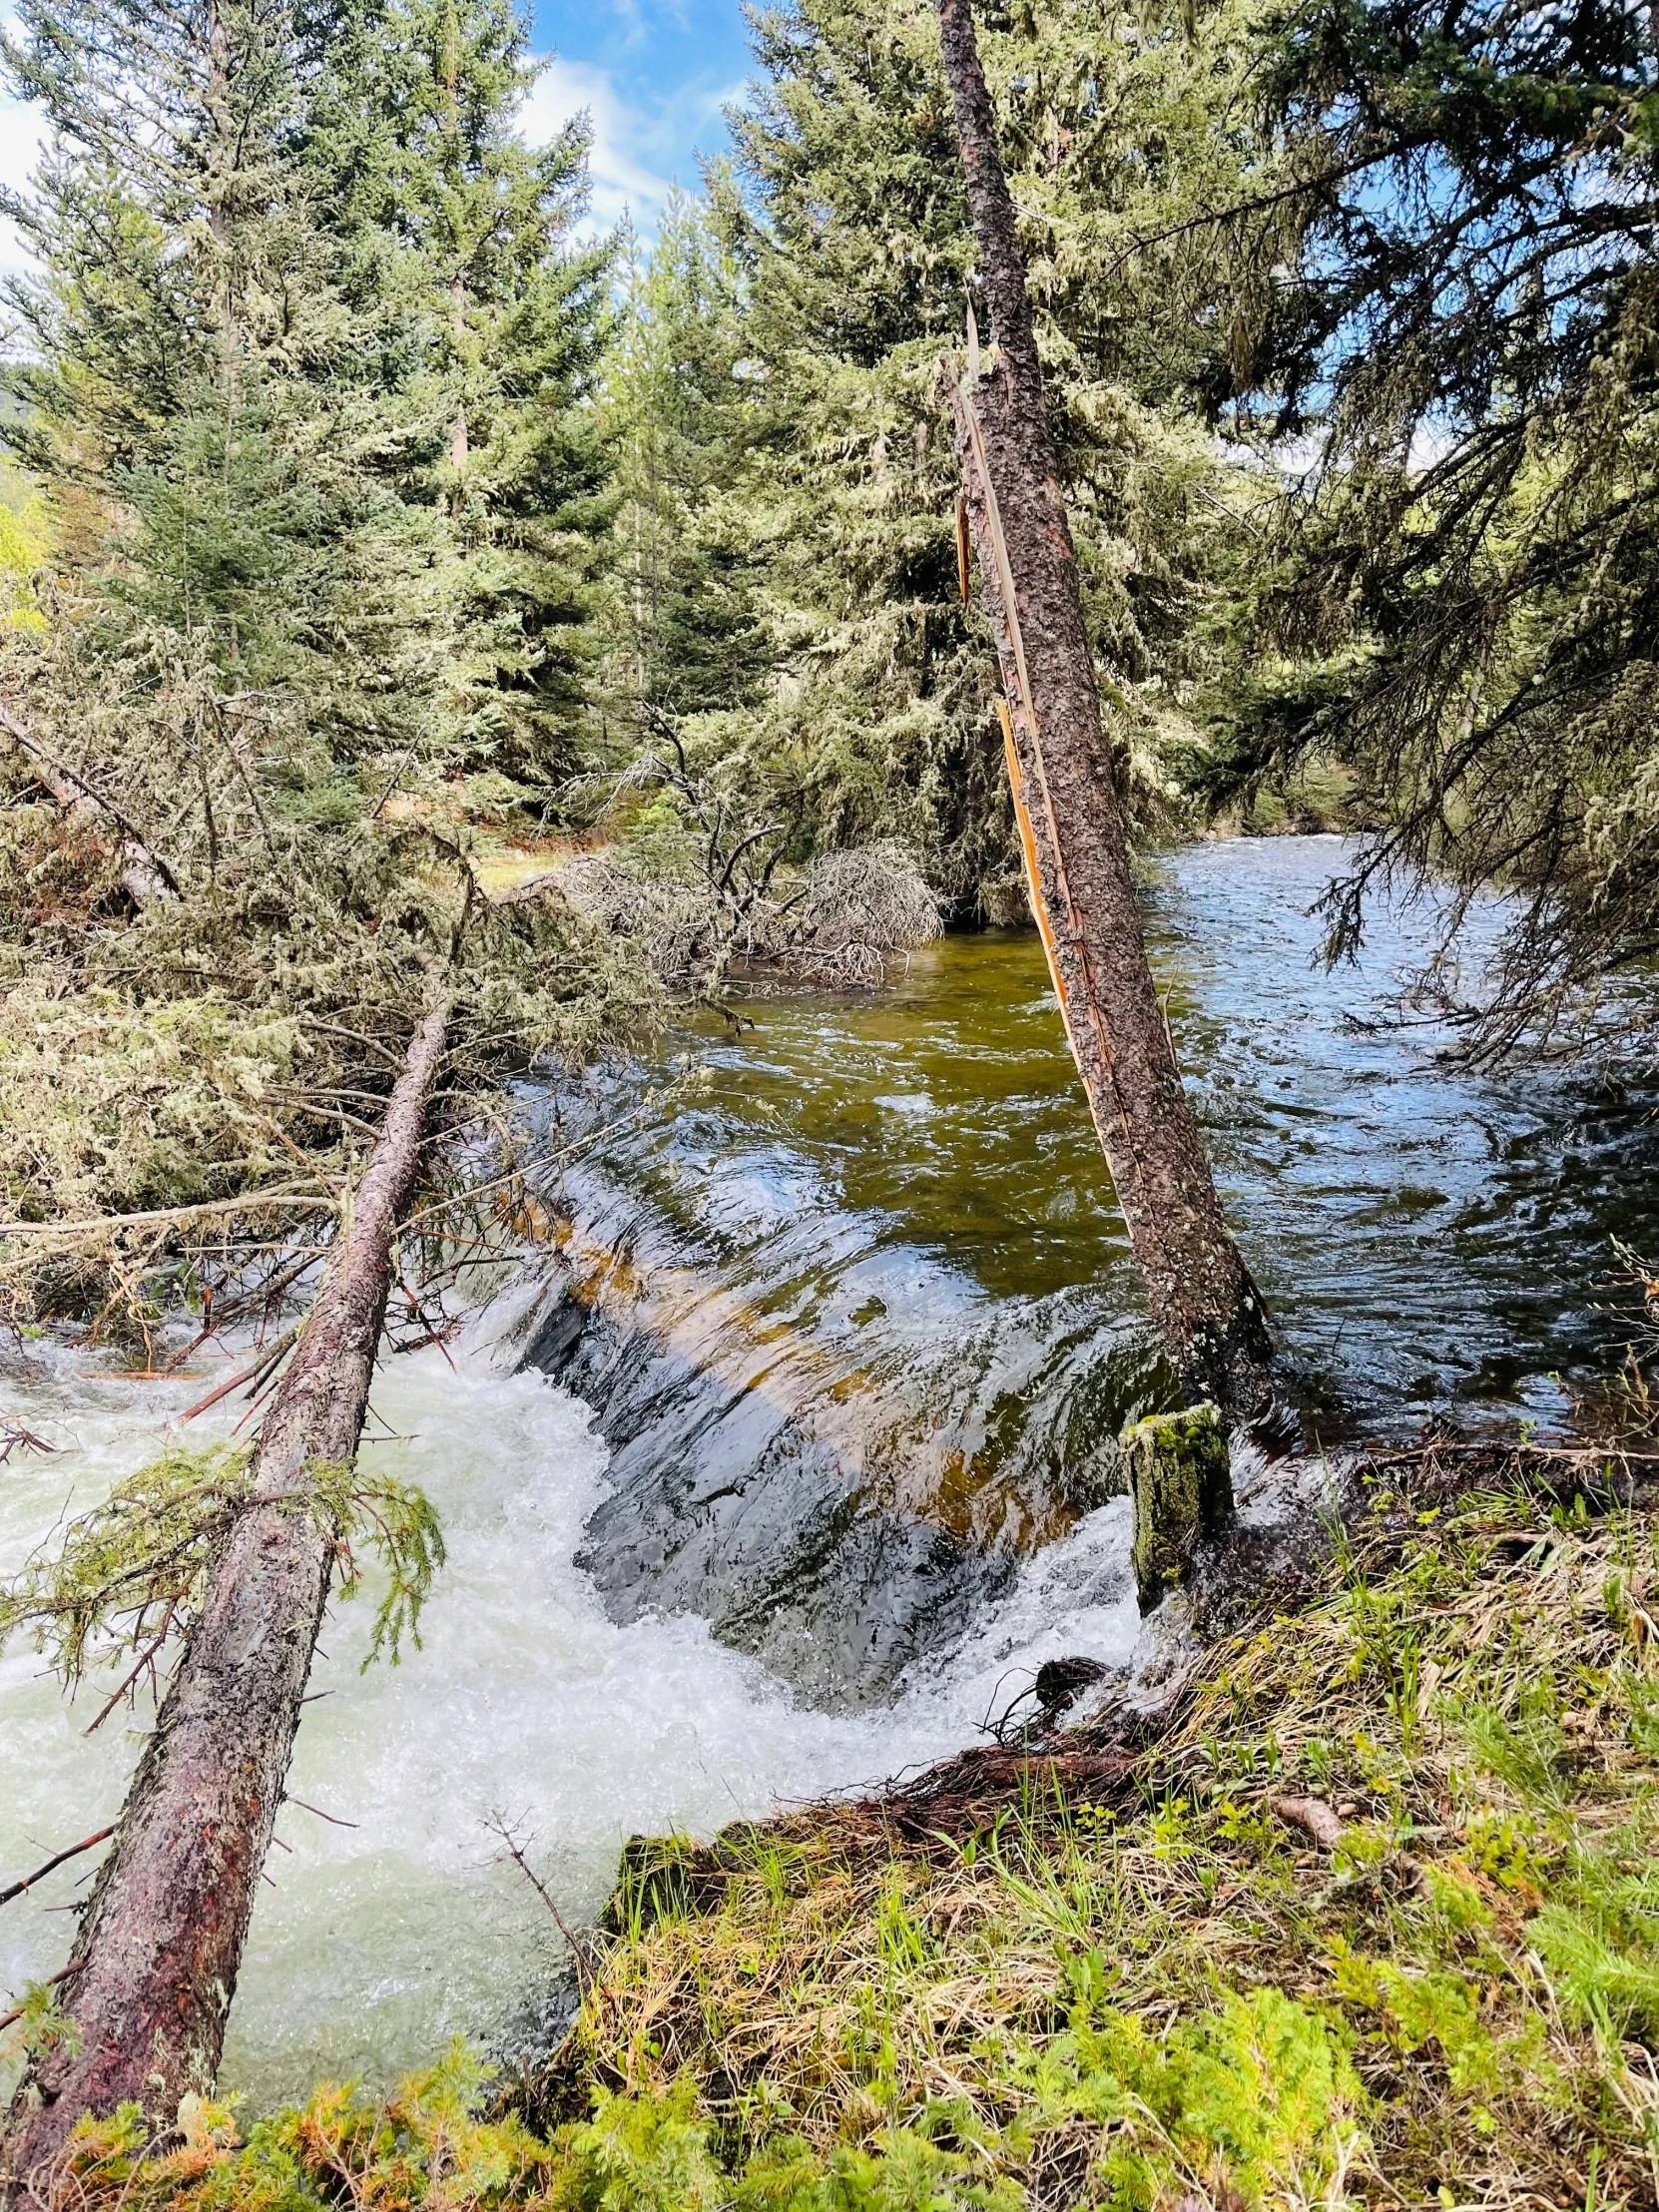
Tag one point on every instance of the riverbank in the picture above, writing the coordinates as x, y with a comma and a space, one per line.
1361, 1907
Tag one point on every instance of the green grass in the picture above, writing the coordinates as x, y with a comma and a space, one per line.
1145, 1989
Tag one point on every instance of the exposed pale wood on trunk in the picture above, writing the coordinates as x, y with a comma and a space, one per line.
1201, 1293
145, 877
155, 1965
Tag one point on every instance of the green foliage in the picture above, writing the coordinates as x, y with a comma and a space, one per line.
400, 1527
1265, 2084
789, 483
1600, 1942
24, 547
641, 2155
129, 1576
307, 386
420, 130
1458, 598
131, 1571
681, 415
40, 2027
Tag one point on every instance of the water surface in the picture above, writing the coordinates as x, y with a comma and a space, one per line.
859, 1319
857, 1326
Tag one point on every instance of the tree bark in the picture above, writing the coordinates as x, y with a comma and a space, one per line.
1207, 1308
147, 878
155, 1965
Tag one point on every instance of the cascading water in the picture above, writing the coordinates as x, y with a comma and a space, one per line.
381, 1939
860, 1322
869, 1284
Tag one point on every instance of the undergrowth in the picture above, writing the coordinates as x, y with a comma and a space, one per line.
1159, 1991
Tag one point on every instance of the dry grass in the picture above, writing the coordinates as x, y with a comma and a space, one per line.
835, 926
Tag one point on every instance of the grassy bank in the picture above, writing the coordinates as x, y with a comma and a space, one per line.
1367, 1913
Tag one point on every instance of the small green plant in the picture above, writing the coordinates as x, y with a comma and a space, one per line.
1501, 1845
129, 1577
1091, 1819
1260, 2093
40, 2026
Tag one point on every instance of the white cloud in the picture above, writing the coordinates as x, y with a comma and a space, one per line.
624, 140
634, 159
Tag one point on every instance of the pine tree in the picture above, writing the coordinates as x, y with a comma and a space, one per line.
485, 229
209, 415
682, 422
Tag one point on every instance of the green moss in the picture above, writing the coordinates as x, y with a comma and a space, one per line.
1182, 1488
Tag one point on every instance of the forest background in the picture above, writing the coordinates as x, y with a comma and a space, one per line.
376, 539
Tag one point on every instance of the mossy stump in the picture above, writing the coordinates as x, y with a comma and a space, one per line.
1182, 1488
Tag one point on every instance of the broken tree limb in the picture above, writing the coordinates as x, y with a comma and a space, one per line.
145, 873
1203, 1299
16, 1888
155, 1965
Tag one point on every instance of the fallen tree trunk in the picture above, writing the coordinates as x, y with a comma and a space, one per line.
146, 875
1206, 1306
155, 1965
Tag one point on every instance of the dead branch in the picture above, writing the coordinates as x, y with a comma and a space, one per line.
17, 1889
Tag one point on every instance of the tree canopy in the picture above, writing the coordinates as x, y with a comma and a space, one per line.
369, 510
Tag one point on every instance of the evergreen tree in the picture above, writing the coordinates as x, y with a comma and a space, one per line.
844, 216
485, 229
1466, 604
682, 419
211, 415
238, 403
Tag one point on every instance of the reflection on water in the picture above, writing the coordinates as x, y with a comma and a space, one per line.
859, 1328
1428, 1240
860, 1325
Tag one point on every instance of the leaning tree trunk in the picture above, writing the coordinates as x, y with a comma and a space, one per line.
155, 1965
1071, 818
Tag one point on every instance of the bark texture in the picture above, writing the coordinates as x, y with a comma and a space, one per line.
155, 1965
147, 878
1201, 1293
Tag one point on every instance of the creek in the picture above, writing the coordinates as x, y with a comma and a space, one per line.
798, 1439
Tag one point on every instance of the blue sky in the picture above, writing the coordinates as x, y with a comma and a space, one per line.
653, 74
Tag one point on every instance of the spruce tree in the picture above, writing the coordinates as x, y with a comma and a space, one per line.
845, 216
485, 229
683, 421
263, 622
209, 415
1466, 592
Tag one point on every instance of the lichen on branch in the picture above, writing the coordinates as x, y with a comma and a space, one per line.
127, 1578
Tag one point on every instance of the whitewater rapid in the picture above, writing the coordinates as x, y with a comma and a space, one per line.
374, 1942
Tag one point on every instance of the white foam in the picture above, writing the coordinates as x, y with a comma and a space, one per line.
381, 1939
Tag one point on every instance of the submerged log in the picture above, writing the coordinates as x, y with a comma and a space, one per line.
155, 1965
1207, 1308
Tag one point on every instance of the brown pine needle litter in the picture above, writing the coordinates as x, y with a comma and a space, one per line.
1369, 1915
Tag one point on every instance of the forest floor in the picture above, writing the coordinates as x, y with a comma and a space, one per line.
1366, 1910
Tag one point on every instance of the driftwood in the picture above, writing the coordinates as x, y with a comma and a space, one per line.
155, 1965
1206, 1306
146, 875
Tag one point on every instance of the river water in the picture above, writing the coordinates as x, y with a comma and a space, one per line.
854, 1330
